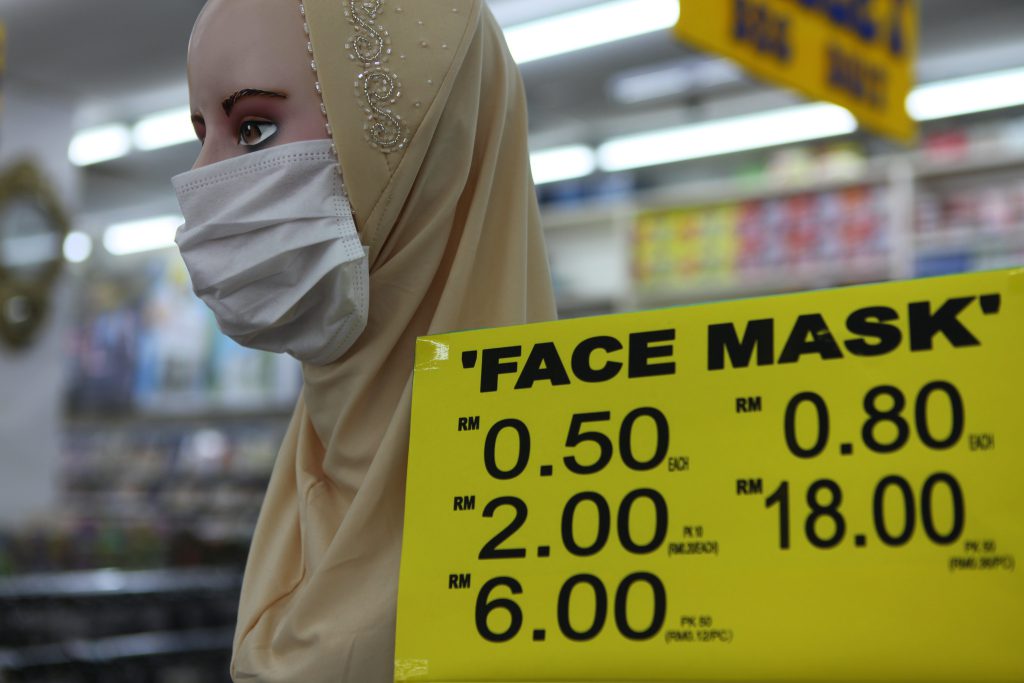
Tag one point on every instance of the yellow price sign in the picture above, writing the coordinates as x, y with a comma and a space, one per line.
856, 53
815, 487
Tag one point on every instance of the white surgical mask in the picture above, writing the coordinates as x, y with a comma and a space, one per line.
272, 248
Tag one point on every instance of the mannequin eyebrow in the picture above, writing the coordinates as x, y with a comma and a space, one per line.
229, 103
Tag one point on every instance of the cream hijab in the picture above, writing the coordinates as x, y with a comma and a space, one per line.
437, 171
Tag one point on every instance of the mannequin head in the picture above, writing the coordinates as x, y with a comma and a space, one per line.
250, 84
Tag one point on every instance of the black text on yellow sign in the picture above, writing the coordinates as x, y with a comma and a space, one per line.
815, 487
856, 53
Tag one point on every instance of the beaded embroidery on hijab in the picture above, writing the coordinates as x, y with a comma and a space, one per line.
376, 87
312, 64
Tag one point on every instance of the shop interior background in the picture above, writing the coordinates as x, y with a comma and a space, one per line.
136, 441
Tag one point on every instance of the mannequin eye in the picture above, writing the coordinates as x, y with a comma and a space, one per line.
253, 133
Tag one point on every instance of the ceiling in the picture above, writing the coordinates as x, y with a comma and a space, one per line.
121, 59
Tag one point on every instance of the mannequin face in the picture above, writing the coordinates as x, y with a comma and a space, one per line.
250, 84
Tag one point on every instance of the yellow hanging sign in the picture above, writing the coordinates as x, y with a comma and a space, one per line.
856, 53
816, 487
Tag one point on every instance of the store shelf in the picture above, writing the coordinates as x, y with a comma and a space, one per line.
970, 239
589, 216
602, 213
91, 624
714, 192
584, 306
767, 282
98, 583
979, 159
115, 648
192, 418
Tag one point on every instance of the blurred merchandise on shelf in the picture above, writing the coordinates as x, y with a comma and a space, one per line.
952, 142
145, 343
202, 479
733, 243
818, 163
946, 146
146, 495
972, 219
989, 210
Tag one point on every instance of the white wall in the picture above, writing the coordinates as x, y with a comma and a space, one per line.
37, 127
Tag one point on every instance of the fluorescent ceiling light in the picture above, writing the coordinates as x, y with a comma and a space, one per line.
103, 143
562, 163
724, 136
604, 23
164, 129
143, 235
945, 99
77, 247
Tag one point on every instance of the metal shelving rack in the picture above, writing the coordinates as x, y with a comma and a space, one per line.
108, 624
